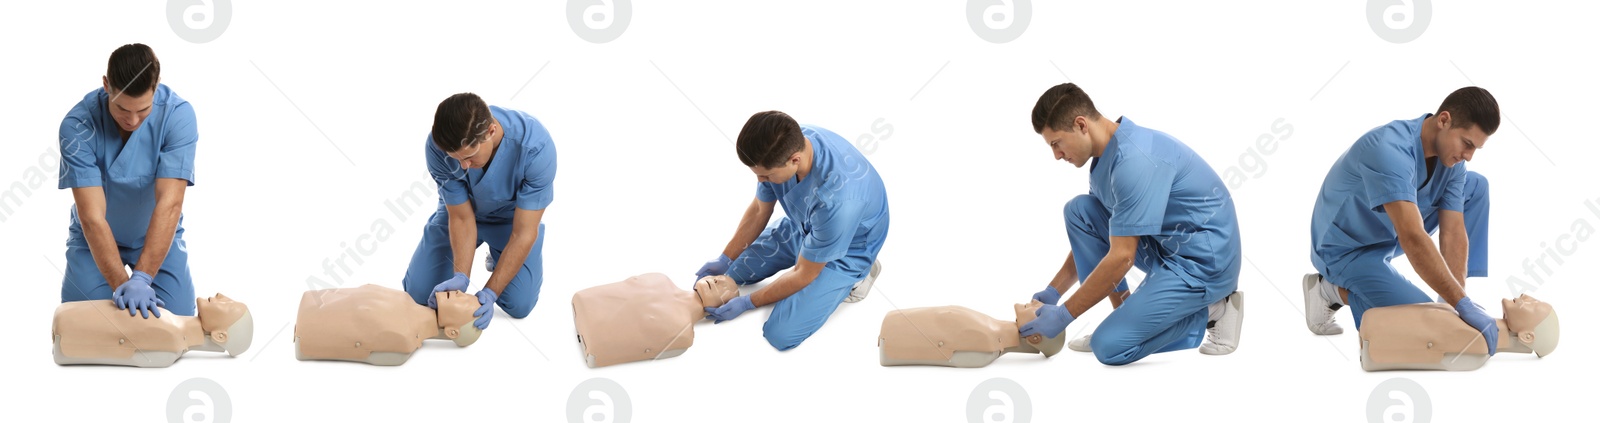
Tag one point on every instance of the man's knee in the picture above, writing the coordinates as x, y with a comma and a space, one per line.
784, 338
519, 309
1112, 351
1477, 185
1082, 206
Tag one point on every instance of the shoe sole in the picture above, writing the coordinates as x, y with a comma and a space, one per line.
1307, 285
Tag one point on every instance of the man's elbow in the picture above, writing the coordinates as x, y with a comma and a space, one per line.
1119, 257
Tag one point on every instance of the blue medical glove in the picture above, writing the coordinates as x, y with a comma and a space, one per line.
714, 267
1474, 315
136, 294
730, 310
1051, 322
1049, 296
486, 299
455, 283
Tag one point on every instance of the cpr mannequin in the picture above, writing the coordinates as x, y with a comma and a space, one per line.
378, 325
1431, 336
955, 336
96, 332
644, 317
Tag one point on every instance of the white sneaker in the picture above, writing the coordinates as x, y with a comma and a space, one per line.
1080, 344
1319, 311
859, 292
1222, 335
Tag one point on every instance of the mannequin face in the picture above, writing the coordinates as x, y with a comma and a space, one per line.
217, 306
1025, 314
455, 316
1523, 313
714, 291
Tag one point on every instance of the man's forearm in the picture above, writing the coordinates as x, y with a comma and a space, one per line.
463, 242
786, 285
103, 246
511, 259
1453, 245
1100, 283
1425, 259
158, 238
750, 226
1065, 277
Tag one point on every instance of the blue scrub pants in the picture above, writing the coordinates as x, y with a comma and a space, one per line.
1167, 313
1374, 282
433, 262
795, 318
173, 285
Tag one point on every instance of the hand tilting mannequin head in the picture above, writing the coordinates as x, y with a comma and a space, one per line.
96, 332
644, 317
714, 291
955, 336
1431, 336
378, 325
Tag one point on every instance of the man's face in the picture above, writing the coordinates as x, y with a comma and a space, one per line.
128, 111
1072, 145
473, 156
1457, 144
780, 174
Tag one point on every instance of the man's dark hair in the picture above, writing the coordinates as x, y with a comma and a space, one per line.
1472, 106
1061, 104
461, 121
133, 70
768, 139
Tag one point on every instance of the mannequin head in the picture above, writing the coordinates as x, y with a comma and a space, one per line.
1046, 346
1533, 322
714, 291
226, 322
455, 317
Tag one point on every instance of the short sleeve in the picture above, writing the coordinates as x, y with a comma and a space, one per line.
538, 174
833, 226
765, 193
78, 142
1387, 173
1137, 197
178, 139
447, 174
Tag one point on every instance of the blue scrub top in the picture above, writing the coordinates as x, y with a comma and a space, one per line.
94, 155
839, 204
1157, 188
519, 176
1384, 166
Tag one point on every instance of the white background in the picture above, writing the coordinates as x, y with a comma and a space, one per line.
312, 115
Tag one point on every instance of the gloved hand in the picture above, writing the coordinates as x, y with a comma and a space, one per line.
1474, 315
1051, 322
1049, 296
732, 309
455, 283
136, 294
714, 267
486, 299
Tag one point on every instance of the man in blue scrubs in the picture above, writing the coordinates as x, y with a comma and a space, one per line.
836, 218
494, 168
1385, 197
128, 147
1152, 203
